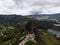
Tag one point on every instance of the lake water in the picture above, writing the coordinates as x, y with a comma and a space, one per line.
56, 24
54, 32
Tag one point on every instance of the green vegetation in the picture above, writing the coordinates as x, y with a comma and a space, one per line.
30, 43
10, 35
43, 38
56, 28
48, 39
39, 40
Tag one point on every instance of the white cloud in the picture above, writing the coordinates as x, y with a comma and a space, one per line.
25, 7
52, 10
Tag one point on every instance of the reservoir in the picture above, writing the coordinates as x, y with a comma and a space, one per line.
54, 32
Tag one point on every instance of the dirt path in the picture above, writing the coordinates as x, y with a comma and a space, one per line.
28, 37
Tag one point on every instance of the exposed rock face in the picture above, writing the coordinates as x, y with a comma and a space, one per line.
31, 26
58, 39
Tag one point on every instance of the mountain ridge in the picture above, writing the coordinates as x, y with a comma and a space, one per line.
50, 16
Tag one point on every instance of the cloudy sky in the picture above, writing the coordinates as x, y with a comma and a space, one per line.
26, 7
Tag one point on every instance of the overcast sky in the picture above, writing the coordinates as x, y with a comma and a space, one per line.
26, 7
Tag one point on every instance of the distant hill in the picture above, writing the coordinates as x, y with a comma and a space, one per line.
12, 18
45, 16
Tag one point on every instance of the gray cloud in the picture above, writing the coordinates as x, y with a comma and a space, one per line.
26, 7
